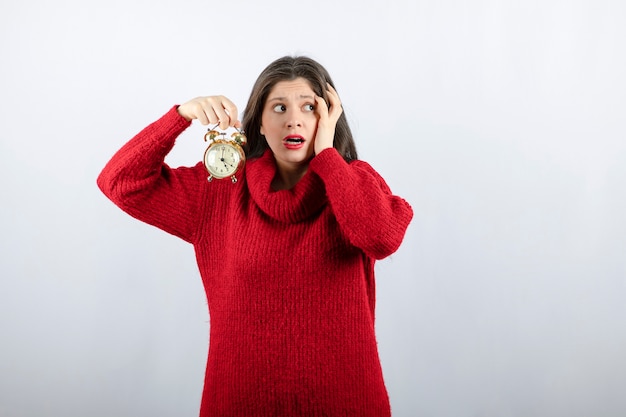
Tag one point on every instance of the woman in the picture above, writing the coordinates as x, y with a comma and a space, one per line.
286, 253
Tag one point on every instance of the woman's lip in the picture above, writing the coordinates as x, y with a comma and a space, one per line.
293, 145
293, 137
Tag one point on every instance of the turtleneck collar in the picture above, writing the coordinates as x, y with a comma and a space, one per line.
302, 201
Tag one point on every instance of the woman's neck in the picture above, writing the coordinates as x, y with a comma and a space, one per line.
287, 176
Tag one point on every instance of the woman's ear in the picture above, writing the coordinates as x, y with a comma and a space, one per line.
261, 130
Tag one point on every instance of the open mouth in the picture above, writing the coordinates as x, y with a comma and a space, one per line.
294, 140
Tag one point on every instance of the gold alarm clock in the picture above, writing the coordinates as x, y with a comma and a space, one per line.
225, 156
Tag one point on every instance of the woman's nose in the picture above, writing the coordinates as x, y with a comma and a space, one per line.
294, 119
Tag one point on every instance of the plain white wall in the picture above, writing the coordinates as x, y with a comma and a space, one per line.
506, 121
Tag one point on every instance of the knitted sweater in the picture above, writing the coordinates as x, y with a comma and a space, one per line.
289, 275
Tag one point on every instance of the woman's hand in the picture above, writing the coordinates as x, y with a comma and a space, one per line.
211, 110
328, 116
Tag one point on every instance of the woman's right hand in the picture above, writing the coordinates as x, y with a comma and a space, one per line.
211, 110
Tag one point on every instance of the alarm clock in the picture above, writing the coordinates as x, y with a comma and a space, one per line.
225, 156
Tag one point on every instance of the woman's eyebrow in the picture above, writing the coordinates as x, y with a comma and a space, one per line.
303, 96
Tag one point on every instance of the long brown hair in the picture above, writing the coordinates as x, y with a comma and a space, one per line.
289, 68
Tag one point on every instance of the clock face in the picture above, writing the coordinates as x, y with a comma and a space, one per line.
222, 159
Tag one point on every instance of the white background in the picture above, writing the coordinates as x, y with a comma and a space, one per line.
502, 123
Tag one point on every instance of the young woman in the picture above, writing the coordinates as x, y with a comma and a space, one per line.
286, 253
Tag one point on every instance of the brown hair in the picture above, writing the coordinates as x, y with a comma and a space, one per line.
286, 69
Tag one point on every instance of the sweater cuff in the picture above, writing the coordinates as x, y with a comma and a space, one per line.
164, 131
327, 162
175, 120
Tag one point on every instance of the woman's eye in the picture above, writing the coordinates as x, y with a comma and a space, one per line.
280, 108
309, 107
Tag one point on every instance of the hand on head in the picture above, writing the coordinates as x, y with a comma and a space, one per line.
328, 116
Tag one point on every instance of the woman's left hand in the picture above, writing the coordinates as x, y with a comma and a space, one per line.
328, 117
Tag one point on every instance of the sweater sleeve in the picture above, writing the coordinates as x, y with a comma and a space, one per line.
139, 181
371, 217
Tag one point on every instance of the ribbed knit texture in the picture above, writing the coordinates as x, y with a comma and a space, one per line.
289, 275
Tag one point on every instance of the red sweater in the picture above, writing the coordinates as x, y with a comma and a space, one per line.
289, 275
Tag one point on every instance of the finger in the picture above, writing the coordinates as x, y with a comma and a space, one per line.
231, 109
201, 108
212, 107
321, 108
333, 96
331, 90
202, 118
206, 114
225, 110
200, 113
335, 108
190, 110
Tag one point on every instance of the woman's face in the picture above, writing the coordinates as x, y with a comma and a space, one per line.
289, 122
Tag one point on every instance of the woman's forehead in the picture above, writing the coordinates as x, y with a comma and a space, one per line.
291, 89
